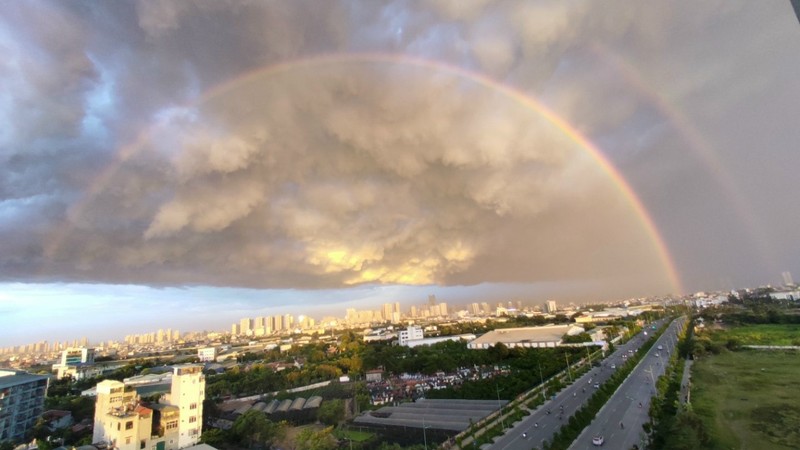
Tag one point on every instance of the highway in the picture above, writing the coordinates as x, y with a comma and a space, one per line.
620, 421
540, 426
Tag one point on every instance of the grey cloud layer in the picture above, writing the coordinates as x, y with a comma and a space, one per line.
334, 174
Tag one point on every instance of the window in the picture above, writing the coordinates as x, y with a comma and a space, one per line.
142, 444
193, 419
128, 440
172, 425
129, 425
193, 406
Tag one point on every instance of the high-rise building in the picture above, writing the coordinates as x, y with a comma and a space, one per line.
124, 422
246, 326
277, 323
387, 312
787, 278
431, 300
21, 402
551, 306
443, 309
235, 329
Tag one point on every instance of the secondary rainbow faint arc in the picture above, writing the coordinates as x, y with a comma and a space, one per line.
525, 100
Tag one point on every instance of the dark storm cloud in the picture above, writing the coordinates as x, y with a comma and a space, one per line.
329, 175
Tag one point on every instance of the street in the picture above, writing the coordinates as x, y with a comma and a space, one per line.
620, 421
541, 425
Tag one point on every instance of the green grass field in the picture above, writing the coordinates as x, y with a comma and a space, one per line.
354, 435
749, 399
766, 334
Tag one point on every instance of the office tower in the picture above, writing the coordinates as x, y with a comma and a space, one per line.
475, 309
550, 306
787, 278
124, 422
21, 402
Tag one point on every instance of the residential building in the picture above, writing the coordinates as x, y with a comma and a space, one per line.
21, 403
124, 422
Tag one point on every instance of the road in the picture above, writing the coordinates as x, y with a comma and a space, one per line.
540, 425
620, 420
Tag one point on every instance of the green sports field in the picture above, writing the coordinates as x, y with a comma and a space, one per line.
749, 399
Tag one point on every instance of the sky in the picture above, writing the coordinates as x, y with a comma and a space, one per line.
185, 164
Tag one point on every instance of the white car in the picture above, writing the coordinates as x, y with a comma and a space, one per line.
613, 366
598, 440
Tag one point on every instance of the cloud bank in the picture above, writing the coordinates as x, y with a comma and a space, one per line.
129, 156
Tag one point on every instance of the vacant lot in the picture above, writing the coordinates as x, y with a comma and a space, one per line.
749, 399
767, 334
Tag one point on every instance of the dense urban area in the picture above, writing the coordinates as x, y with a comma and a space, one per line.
435, 375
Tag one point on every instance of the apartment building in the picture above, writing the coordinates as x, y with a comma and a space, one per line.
21, 402
124, 422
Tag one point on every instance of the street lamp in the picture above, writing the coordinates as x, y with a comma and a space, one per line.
569, 370
541, 379
499, 407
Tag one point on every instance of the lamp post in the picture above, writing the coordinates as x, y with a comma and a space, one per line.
499, 407
541, 379
569, 370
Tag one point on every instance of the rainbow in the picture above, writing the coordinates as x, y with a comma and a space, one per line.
521, 98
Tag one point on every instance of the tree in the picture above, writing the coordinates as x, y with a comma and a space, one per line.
253, 427
214, 437
308, 439
331, 412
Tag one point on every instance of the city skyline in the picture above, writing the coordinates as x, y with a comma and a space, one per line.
316, 157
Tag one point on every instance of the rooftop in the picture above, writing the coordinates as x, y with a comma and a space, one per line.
442, 414
548, 333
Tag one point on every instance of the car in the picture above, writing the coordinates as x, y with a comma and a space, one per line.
658, 355
613, 366
597, 385
598, 440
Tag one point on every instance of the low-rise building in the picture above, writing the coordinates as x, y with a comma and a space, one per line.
528, 337
410, 333
207, 354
